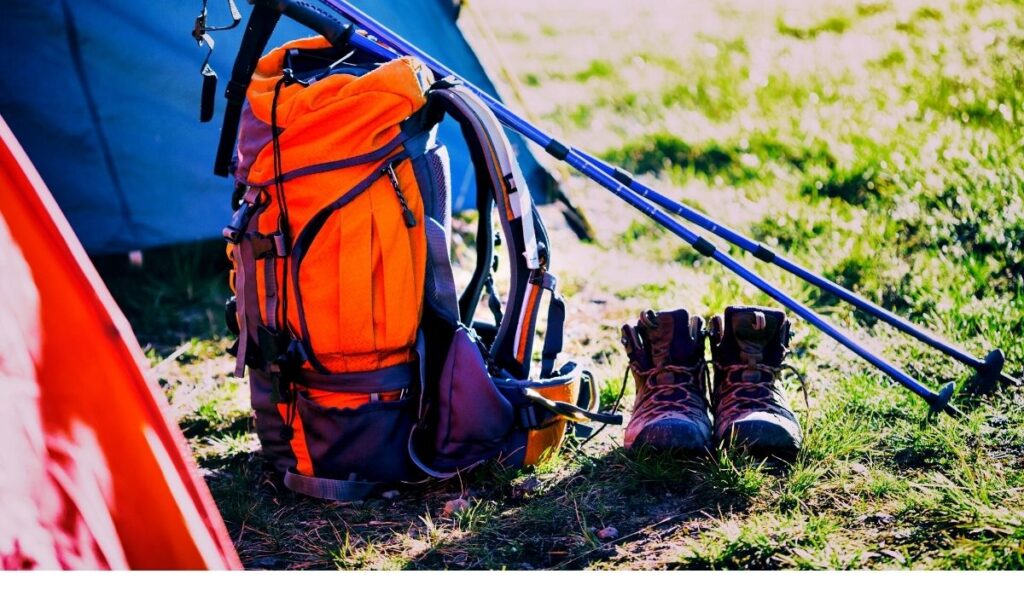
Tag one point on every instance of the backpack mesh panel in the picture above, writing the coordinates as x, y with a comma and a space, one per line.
439, 168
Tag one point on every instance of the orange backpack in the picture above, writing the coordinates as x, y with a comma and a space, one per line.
366, 366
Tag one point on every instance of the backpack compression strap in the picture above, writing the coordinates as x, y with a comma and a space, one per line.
525, 236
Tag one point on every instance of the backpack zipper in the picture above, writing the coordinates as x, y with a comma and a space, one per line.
410, 218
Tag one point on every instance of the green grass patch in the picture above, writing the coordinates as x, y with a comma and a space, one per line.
835, 24
869, 9
597, 69
766, 542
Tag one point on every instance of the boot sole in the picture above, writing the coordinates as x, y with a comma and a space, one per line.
682, 438
763, 439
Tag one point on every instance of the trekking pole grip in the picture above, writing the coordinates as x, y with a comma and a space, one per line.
262, 21
313, 15
261, 24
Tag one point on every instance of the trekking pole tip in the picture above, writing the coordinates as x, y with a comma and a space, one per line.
940, 402
990, 373
953, 412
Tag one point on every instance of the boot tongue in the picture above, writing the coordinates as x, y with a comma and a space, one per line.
755, 331
670, 340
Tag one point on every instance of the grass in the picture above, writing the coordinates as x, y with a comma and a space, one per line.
876, 142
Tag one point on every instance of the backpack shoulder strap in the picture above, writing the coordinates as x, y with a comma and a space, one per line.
500, 182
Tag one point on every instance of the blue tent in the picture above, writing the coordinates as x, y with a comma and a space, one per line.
104, 97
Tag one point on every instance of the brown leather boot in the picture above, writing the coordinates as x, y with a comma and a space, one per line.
748, 346
666, 354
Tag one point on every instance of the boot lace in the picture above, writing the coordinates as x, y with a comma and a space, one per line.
762, 394
686, 392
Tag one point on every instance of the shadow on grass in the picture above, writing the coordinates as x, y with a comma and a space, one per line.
599, 511
556, 517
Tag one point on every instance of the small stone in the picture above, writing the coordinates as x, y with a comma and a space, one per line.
998, 421
608, 534
456, 505
878, 518
390, 495
859, 468
526, 487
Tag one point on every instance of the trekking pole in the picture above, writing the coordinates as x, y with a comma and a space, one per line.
988, 370
939, 401
383, 42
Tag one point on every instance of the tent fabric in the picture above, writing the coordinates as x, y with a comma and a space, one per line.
104, 96
93, 472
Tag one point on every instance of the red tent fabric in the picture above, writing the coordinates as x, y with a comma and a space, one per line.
93, 473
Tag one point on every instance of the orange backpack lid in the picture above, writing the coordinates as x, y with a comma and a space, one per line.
365, 112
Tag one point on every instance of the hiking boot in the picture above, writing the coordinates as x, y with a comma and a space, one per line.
748, 346
666, 355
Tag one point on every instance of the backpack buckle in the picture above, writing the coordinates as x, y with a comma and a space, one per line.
283, 356
239, 222
538, 276
287, 366
268, 245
